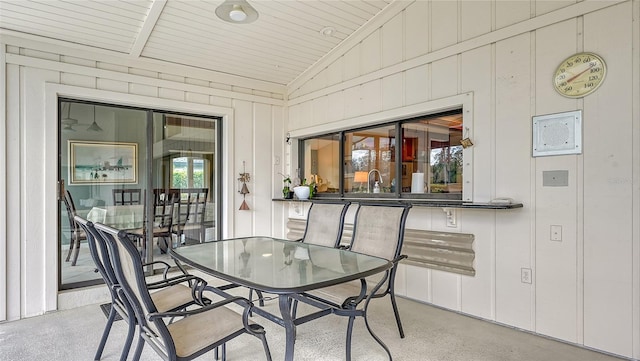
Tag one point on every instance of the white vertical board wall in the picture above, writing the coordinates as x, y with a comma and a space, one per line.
582, 286
608, 170
260, 184
556, 263
513, 179
477, 296
243, 152
14, 249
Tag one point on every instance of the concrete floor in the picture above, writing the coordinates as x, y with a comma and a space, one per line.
432, 334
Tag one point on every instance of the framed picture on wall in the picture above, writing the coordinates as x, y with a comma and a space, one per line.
102, 162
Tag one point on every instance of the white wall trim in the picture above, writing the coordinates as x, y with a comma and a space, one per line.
131, 78
3, 185
569, 12
635, 76
84, 52
52, 92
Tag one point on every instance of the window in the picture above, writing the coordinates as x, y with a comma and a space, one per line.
412, 158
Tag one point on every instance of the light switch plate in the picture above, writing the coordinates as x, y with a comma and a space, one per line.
556, 233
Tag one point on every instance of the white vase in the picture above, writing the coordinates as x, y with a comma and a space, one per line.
302, 192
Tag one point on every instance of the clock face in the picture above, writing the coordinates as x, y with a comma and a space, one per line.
579, 75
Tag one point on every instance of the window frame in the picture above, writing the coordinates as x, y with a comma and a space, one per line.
461, 104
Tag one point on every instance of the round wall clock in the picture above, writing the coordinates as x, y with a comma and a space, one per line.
579, 75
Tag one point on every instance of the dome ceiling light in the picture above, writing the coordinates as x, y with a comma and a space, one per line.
237, 12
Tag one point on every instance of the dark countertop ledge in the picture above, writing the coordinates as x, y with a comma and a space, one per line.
414, 202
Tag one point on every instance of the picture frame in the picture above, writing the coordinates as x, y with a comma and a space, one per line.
92, 162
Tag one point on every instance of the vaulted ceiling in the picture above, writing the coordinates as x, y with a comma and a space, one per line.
278, 47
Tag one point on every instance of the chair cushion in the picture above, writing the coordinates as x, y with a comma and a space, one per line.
172, 297
194, 333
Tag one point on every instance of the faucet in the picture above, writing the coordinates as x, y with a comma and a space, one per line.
369, 175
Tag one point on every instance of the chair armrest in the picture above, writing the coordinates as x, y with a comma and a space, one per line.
172, 281
167, 267
240, 300
397, 260
197, 285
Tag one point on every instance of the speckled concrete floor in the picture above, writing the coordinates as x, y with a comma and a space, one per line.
432, 334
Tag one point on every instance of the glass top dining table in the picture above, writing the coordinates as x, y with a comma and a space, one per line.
281, 267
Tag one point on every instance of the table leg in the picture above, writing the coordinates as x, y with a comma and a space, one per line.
290, 328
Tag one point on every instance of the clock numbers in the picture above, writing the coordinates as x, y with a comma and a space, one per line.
579, 75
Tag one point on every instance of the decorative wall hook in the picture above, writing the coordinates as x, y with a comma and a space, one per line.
466, 142
244, 190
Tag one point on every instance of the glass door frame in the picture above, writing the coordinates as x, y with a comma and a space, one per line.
217, 179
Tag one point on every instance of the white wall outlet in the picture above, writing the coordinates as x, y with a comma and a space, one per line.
525, 275
556, 233
452, 217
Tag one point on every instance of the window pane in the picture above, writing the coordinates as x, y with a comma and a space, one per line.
322, 163
413, 158
369, 165
102, 149
432, 155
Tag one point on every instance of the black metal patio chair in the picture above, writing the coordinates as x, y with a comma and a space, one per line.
200, 330
169, 294
378, 231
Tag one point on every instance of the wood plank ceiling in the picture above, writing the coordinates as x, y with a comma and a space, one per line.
278, 47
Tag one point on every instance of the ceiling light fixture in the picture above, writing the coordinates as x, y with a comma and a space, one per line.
94, 127
68, 120
237, 12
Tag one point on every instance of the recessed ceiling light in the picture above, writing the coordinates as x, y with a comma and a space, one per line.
328, 31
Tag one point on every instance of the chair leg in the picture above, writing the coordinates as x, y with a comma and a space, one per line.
139, 347
105, 334
77, 251
349, 333
129, 341
224, 351
397, 314
72, 243
163, 244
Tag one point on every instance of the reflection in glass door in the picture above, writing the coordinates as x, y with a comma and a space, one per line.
150, 173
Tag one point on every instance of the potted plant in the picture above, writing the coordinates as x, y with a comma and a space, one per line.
287, 193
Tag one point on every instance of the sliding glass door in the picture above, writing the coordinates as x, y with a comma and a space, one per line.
154, 174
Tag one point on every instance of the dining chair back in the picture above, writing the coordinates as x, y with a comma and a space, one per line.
378, 230
191, 212
119, 304
77, 234
127, 196
198, 330
164, 203
325, 223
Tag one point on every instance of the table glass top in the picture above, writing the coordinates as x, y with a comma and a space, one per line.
278, 266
